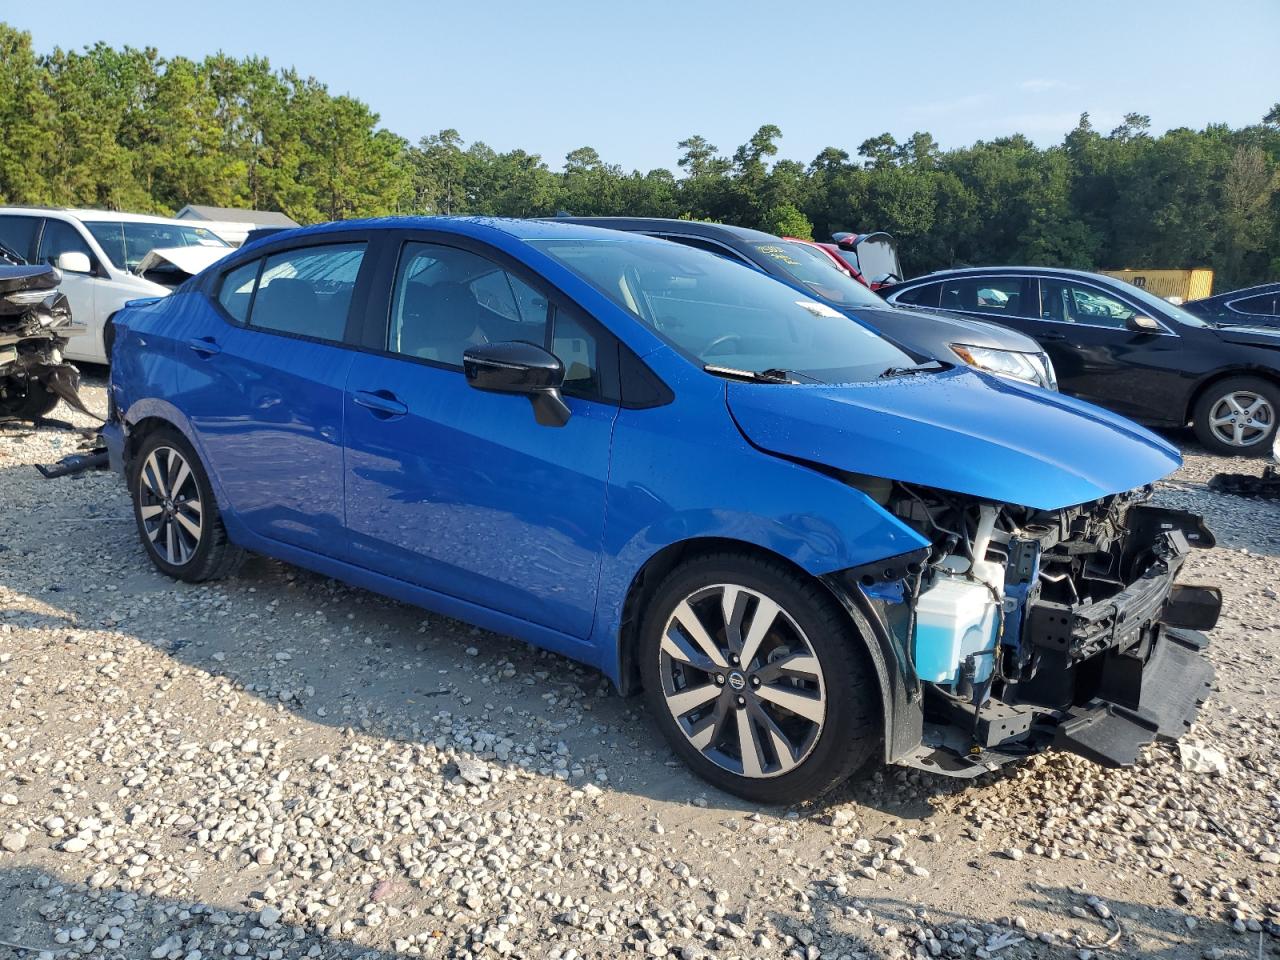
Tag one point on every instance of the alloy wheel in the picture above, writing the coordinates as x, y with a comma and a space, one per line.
1242, 418
742, 681
169, 505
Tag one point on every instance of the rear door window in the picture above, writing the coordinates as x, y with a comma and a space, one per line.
997, 296
306, 292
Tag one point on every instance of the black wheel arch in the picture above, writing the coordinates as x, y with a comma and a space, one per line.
899, 691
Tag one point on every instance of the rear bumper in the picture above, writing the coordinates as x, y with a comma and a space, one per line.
113, 439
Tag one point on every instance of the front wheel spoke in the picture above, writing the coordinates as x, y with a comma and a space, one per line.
184, 473
761, 622
688, 700
1220, 421
802, 666
1234, 404
781, 742
749, 743
188, 525
734, 606
150, 510
680, 650
151, 477
693, 627
171, 540
804, 705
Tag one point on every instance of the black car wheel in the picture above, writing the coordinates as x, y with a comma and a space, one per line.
756, 679
26, 401
1238, 416
176, 514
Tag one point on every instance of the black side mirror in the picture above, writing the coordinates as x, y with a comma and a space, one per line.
1140, 324
516, 366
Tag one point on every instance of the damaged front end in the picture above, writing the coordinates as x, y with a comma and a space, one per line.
1022, 629
35, 324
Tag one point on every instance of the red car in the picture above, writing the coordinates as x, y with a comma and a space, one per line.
870, 258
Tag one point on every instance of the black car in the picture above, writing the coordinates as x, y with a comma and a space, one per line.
1251, 307
1123, 348
803, 266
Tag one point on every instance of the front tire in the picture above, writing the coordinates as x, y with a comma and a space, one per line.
757, 680
1237, 417
175, 510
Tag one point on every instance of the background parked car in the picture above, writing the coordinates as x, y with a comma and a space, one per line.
1121, 347
798, 264
1251, 307
98, 253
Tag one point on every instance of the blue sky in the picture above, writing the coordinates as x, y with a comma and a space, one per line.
633, 78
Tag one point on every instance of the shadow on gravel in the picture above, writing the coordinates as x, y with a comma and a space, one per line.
1078, 920
40, 911
348, 658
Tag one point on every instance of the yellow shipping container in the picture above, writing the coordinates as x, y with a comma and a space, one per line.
1187, 284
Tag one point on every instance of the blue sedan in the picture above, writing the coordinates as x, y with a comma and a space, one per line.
807, 547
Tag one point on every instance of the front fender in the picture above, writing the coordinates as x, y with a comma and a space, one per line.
700, 479
155, 408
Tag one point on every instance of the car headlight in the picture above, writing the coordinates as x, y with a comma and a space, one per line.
1033, 368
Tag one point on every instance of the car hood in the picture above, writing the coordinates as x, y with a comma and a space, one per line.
915, 325
960, 431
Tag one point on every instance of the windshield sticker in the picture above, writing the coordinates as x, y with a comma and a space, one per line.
772, 250
818, 309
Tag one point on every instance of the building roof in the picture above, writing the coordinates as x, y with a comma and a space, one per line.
262, 218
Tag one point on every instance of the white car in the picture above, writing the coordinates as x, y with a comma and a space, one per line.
103, 258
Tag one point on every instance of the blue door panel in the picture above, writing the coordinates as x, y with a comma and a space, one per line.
465, 494
268, 412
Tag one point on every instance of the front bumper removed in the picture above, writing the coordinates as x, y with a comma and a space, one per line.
1130, 668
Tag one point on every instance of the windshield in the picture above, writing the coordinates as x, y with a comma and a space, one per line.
719, 313
1163, 306
125, 244
814, 270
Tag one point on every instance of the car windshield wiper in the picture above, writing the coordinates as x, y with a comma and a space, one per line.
771, 375
929, 366
11, 254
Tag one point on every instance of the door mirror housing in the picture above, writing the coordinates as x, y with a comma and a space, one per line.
73, 261
1140, 324
516, 366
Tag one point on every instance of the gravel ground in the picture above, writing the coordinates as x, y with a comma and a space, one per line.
281, 766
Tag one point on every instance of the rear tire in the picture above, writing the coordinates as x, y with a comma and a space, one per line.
1237, 417
177, 516
796, 687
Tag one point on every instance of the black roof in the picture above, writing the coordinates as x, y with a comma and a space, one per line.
692, 228
1257, 288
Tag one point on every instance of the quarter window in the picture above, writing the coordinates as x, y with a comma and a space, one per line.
925, 295
237, 290
1065, 302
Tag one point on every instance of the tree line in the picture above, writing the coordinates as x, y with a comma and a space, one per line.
128, 129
